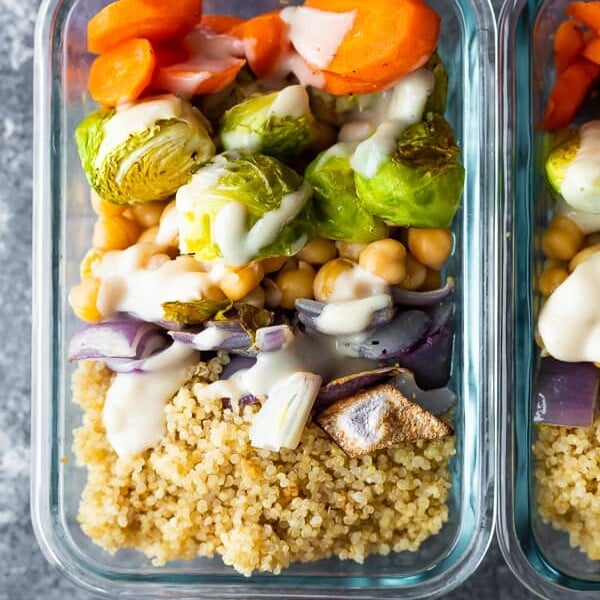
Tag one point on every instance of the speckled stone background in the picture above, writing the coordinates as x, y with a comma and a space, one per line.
24, 573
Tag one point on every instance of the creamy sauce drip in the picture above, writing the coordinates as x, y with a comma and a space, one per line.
237, 243
291, 101
353, 316
133, 412
126, 285
581, 185
569, 322
588, 222
317, 34
357, 283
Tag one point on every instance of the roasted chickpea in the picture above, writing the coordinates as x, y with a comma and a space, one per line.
241, 281
272, 293
416, 273
294, 284
325, 281
350, 250
385, 259
592, 239
90, 261
105, 208
148, 214
273, 264
318, 251
433, 280
115, 233
582, 256
431, 247
562, 239
550, 279
157, 261
148, 236
83, 300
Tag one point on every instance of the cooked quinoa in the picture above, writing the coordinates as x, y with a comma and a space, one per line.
568, 481
204, 490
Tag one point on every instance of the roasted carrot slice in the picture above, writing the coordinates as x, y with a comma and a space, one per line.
592, 51
122, 74
220, 23
587, 13
387, 39
569, 91
263, 38
153, 20
342, 86
568, 43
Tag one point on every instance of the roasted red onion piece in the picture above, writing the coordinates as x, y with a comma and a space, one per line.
430, 358
566, 393
275, 337
423, 299
343, 387
309, 311
217, 335
388, 342
380, 417
119, 338
243, 401
237, 363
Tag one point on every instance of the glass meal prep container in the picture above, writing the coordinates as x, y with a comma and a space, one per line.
63, 223
538, 554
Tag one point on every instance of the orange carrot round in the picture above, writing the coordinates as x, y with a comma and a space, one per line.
220, 23
388, 38
155, 20
263, 38
568, 43
592, 51
569, 92
122, 74
343, 86
187, 79
587, 13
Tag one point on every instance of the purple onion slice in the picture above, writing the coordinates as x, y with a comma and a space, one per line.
243, 401
237, 363
225, 335
119, 338
388, 342
310, 310
346, 386
275, 337
566, 393
422, 299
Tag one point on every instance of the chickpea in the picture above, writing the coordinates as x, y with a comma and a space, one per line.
115, 233
324, 284
272, 293
416, 273
105, 208
562, 239
318, 251
148, 236
583, 255
592, 239
147, 214
255, 298
431, 247
157, 261
90, 261
433, 280
550, 279
350, 250
384, 259
294, 284
83, 299
274, 263
241, 281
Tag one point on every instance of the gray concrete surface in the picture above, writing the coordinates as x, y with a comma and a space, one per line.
24, 573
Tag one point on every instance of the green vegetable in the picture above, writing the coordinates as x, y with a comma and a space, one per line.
145, 151
560, 158
242, 207
339, 214
194, 311
437, 101
279, 124
420, 183
250, 317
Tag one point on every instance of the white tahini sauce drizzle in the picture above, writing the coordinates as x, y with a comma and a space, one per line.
134, 407
317, 34
569, 322
397, 109
291, 101
352, 316
581, 185
135, 118
237, 244
127, 286
357, 283
586, 221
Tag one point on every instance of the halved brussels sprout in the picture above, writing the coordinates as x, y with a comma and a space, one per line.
437, 100
279, 124
338, 212
416, 178
573, 167
243, 206
145, 151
